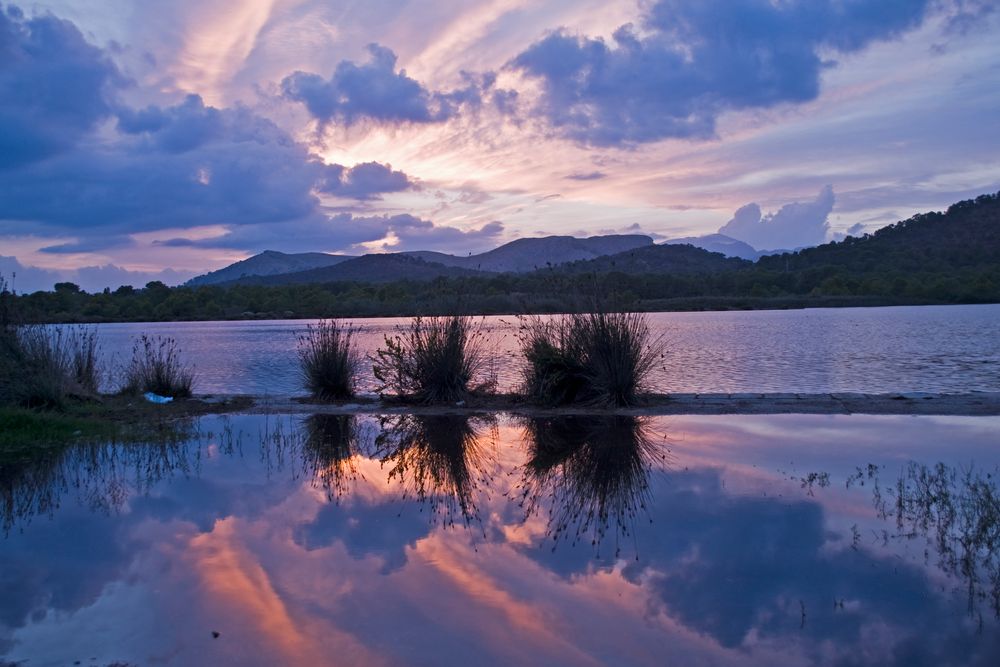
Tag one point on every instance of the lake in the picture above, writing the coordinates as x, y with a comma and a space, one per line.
941, 349
305, 540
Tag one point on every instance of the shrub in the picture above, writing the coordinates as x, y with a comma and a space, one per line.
156, 367
434, 360
599, 357
328, 360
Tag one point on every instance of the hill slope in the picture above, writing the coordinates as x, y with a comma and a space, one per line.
268, 263
529, 254
727, 245
966, 236
383, 268
666, 259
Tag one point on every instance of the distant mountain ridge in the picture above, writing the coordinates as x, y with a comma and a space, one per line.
268, 263
375, 268
658, 259
519, 256
727, 245
529, 254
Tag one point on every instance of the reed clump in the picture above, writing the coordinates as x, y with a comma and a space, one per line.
601, 357
156, 366
434, 360
44, 366
329, 361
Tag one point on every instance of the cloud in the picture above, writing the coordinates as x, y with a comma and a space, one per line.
176, 129
795, 225
90, 278
587, 176
692, 61
54, 87
348, 232
190, 166
367, 180
375, 90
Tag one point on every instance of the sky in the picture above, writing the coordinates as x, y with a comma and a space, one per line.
143, 141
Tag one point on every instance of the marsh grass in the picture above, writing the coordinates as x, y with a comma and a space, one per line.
601, 357
156, 366
44, 366
434, 360
329, 361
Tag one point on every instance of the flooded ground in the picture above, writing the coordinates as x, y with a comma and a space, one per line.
436, 539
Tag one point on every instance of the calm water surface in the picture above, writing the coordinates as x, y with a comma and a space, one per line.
899, 349
793, 540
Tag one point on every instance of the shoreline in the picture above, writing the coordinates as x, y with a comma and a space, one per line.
927, 404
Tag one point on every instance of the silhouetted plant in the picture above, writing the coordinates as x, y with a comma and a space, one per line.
328, 360
599, 357
156, 367
434, 360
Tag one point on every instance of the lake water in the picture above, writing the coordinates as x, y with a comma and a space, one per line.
733, 540
947, 349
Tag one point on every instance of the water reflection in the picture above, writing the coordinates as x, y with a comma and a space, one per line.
956, 511
587, 475
729, 572
102, 476
331, 451
443, 461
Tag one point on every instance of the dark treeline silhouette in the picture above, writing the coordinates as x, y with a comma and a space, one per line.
950, 257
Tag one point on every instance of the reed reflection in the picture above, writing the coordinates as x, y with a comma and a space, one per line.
955, 510
440, 460
331, 450
102, 476
589, 475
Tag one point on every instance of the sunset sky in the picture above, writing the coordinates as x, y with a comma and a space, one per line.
159, 140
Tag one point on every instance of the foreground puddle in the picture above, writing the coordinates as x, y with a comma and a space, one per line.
335, 539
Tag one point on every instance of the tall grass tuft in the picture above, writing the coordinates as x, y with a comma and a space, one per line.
328, 360
434, 360
43, 366
599, 357
156, 367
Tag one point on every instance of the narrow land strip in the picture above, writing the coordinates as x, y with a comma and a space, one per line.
971, 404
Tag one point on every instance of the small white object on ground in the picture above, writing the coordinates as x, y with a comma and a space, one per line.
156, 398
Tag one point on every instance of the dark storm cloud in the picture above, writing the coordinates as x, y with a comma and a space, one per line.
367, 180
375, 90
694, 60
54, 87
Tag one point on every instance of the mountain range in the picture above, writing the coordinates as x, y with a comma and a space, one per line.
963, 237
520, 256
